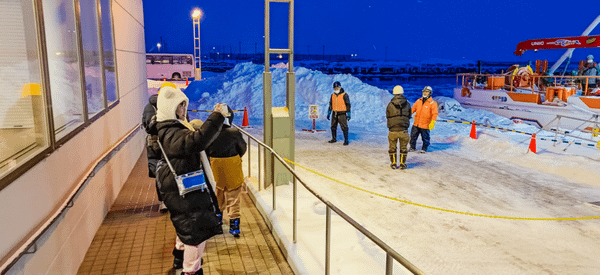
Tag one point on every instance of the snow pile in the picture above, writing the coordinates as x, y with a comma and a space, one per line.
243, 87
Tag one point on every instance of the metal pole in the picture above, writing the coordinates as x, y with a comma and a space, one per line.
556, 132
295, 205
249, 158
259, 165
272, 163
388, 264
327, 239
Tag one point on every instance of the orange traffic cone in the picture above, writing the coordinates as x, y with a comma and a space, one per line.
473, 131
186, 82
532, 146
245, 120
164, 79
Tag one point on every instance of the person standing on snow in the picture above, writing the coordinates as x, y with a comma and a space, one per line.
426, 112
590, 69
398, 114
225, 154
339, 103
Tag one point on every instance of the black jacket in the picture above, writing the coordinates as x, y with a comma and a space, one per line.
229, 143
152, 149
398, 114
190, 213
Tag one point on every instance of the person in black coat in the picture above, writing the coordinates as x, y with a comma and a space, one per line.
398, 114
193, 215
226, 162
152, 150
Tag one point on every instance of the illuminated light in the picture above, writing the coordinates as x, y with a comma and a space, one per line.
58, 53
197, 13
280, 56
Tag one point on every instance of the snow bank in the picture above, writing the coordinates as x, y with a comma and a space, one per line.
243, 87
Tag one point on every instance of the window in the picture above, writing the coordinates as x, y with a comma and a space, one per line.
63, 65
166, 59
108, 54
187, 59
23, 124
177, 60
149, 59
94, 87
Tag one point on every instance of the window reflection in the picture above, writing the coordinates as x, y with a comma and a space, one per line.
23, 127
108, 54
91, 57
63, 65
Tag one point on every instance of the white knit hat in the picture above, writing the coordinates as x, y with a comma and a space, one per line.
168, 100
398, 90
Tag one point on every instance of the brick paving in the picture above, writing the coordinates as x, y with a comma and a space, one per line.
135, 238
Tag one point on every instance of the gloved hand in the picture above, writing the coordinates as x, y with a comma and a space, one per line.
328, 114
431, 124
348, 115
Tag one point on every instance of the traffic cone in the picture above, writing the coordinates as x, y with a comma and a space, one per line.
245, 120
532, 146
473, 131
186, 82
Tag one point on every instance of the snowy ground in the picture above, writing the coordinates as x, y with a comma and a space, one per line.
492, 175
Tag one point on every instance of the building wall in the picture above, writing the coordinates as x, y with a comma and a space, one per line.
36, 194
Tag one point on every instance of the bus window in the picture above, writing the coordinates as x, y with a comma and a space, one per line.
186, 59
149, 59
164, 59
177, 60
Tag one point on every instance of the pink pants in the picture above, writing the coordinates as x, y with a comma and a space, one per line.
192, 255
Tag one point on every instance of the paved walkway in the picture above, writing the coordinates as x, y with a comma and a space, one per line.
135, 238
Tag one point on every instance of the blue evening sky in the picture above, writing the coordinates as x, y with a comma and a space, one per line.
411, 30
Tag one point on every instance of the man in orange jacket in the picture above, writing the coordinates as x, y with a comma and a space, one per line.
339, 103
426, 112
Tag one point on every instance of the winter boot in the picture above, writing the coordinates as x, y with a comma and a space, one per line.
346, 138
333, 136
393, 160
403, 161
178, 261
234, 227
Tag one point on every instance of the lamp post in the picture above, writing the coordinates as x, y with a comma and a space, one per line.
158, 45
196, 14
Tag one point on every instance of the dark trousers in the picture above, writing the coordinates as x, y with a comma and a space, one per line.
414, 134
342, 120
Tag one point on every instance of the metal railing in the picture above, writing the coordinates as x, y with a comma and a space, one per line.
390, 253
535, 83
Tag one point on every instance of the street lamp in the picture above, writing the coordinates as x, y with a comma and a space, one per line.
158, 45
196, 15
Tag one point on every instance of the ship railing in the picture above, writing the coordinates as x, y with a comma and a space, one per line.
555, 126
535, 83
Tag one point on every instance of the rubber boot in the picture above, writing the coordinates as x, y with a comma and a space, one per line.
403, 161
346, 138
178, 261
393, 160
333, 136
234, 227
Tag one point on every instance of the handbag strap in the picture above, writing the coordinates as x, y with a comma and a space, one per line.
166, 158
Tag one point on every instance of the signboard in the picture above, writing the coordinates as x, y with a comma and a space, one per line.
313, 111
558, 43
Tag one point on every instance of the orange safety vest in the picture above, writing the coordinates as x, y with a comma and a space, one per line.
337, 102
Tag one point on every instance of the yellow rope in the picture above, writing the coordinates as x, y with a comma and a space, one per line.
437, 208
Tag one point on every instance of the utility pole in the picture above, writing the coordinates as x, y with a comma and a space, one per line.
240, 48
308, 51
255, 48
161, 43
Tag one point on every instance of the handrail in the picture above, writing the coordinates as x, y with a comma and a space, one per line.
8, 261
391, 253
